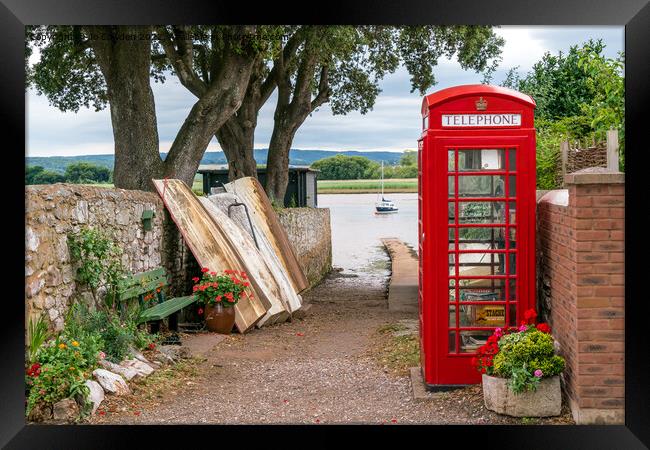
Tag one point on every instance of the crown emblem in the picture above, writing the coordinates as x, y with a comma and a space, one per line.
481, 104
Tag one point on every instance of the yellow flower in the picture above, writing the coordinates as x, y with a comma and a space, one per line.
75, 344
61, 345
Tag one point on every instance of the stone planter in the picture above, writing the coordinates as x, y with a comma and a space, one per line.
545, 401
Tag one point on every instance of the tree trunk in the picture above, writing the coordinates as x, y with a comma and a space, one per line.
277, 165
237, 141
208, 114
125, 64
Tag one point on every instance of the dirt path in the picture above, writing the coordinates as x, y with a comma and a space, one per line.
314, 370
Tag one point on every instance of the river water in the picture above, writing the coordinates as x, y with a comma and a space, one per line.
357, 230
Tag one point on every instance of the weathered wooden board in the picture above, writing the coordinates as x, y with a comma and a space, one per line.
251, 192
238, 217
209, 245
259, 273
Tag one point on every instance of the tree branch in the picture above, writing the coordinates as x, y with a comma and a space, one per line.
186, 75
323, 88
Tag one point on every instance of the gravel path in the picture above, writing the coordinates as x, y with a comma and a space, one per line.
314, 370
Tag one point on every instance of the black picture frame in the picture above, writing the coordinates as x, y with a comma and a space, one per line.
633, 14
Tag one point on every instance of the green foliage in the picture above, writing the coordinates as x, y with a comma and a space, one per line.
63, 371
99, 262
579, 96
521, 354
409, 158
38, 175
36, 335
86, 173
343, 167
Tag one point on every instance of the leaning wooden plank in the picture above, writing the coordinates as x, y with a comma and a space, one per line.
250, 191
239, 218
164, 309
209, 245
259, 273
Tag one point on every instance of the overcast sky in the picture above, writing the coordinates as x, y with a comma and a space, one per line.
393, 124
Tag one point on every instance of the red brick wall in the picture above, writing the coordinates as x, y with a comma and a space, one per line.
581, 266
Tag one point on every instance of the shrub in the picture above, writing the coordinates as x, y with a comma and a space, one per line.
524, 355
60, 373
37, 334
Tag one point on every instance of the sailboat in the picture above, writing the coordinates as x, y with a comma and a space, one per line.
384, 206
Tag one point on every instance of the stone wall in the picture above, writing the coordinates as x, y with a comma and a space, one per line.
310, 233
581, 273
54, 211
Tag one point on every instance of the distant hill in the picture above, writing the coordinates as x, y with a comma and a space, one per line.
296, 157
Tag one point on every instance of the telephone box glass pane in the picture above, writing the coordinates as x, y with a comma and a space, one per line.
513, 315
513, 211
482, 315
479, 238
512, 160
452, 212
452, 342
481, 159
470, 341
512, 186
451, 161
513, 235
452, 184
482, 290
481, 212
481, 186
452, 316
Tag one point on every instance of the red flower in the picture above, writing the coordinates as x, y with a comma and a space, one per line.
195, 279
34, 370
152, 346
213, 273
218, 298
195, 288
101, 412
205, 269
243, 275
530, 316
544, 328
246, 284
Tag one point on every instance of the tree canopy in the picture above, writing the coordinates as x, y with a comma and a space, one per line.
232, 71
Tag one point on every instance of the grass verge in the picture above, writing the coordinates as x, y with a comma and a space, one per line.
394, 351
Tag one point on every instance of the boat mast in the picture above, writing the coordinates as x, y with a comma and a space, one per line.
382, 181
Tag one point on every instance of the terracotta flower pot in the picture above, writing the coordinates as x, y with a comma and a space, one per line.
219, 319
545, 401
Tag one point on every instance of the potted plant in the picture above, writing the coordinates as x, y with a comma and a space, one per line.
521, 370
217, 295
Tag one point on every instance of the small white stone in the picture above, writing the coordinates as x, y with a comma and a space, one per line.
111, 382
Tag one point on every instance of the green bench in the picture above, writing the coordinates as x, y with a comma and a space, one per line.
141, 284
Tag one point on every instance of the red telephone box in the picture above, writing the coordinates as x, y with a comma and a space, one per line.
476, 211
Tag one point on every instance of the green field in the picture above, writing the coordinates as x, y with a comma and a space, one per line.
367, 186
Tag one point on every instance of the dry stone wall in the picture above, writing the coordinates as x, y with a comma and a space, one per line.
309, 231
54, 211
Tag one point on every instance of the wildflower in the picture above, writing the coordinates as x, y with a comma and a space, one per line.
75, 344
205, 269
195, 279
101, 355
523, 327
62, 345
213, 273
539, 373
200, 311
151, 346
